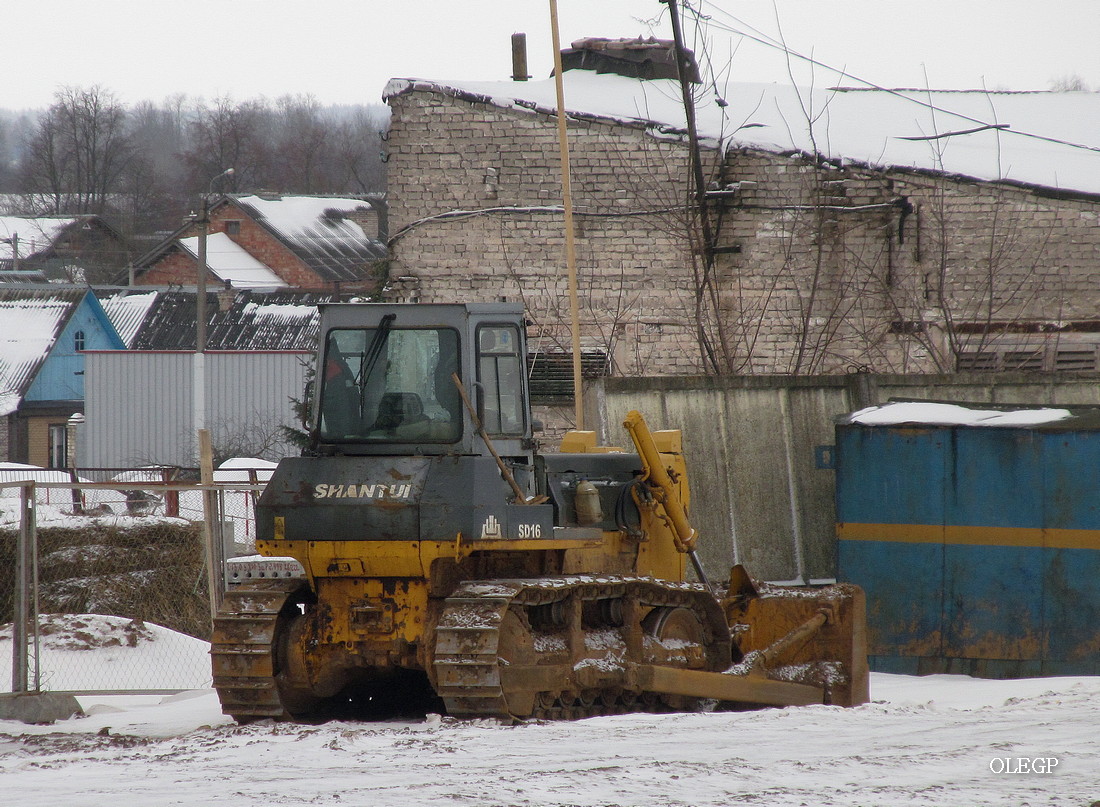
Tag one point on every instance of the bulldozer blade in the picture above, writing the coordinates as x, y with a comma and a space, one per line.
781, 629
749, 689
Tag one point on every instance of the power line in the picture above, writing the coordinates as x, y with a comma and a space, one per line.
766, 40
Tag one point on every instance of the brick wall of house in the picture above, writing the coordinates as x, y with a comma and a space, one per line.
176, 267
259, 243
839, 269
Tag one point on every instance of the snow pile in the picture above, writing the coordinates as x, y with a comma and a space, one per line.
940, 414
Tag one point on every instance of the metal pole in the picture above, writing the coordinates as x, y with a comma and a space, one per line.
567, 204
200, 286
32, 521
199, 372
23, 563
199, 369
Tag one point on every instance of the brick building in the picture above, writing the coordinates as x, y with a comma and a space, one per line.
894, 231
270, 241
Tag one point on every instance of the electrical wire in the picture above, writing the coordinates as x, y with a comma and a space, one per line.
766, 40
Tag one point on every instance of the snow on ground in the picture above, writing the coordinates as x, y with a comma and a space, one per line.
938, 740
93, 652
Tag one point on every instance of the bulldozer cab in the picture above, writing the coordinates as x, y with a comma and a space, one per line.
386, 387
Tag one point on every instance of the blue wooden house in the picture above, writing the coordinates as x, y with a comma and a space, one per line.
44, 330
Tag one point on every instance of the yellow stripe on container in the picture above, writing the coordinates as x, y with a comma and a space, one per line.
1039, 537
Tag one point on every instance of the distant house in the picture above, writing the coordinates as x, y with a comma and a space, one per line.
44, 331
269, 242
60, 249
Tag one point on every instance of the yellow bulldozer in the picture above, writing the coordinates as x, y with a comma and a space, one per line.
423, 556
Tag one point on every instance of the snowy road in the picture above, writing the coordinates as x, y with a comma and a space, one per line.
941, 740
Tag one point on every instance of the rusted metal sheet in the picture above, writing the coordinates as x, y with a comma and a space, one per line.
978, 548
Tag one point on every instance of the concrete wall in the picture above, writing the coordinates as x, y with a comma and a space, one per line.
751, 442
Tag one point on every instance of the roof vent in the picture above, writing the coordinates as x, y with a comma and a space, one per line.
332, 216
633, 58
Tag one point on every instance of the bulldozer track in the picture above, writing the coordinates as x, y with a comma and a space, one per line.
561, 648
243, 646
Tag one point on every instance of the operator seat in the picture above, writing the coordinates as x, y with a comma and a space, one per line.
399, 409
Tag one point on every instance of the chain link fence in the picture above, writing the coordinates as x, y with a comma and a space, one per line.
114, 576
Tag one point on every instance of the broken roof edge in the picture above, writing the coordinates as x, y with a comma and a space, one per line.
402, 86
729, 142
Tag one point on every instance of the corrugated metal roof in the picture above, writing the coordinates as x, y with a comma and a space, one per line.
317, 229
30, 322
257, 320
126, 308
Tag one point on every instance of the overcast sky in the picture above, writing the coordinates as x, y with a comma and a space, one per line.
343, 51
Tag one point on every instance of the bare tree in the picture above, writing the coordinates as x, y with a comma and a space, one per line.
229, 135
302, 143
356, 151
79, 151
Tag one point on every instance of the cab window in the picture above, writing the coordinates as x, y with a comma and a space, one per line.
500, 375
390, 385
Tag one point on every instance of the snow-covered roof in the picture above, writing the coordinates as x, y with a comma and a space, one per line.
320, 231
127, 310
256, 320
1045, 139
231, 262
30, 322
35, 234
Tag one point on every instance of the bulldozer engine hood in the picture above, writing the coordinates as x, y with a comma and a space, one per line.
396, 499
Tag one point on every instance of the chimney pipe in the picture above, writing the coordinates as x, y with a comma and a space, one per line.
519, 57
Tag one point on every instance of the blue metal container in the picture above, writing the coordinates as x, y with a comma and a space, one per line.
978, 546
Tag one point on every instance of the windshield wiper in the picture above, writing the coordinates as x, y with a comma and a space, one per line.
371, 354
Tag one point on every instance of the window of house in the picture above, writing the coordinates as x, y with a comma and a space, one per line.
232, 227
78, 340
59, 446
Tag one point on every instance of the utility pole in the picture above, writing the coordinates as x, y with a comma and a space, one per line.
703, 285
14, 241
200, 285
567, 206
199, 374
